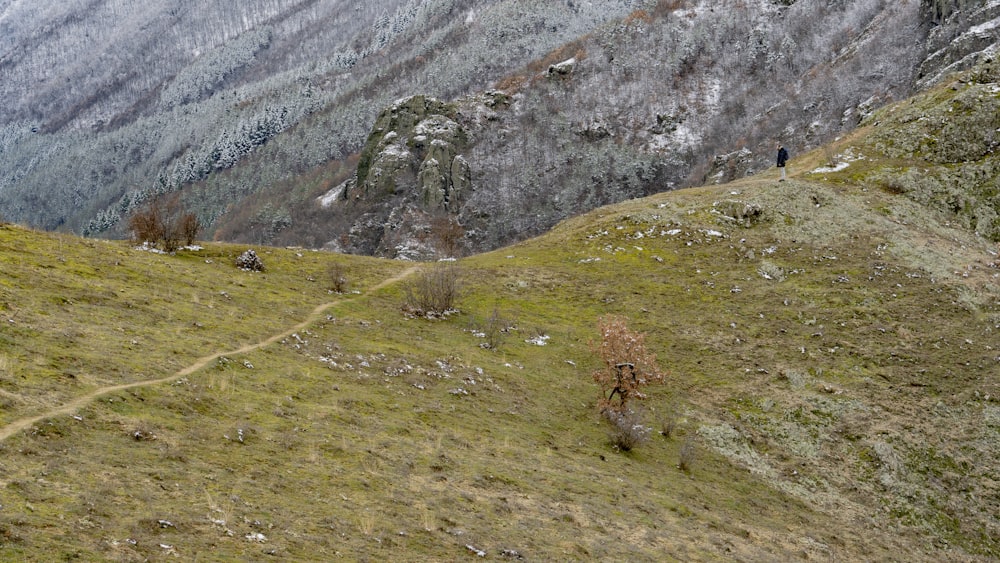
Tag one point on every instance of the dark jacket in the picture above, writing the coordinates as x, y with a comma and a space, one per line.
782, 157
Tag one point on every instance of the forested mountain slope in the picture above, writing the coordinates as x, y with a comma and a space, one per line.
252, 111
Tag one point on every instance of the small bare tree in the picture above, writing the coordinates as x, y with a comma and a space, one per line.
164, 221
628, 366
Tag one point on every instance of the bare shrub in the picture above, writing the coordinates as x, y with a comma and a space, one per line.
627, 430
628, 366
495, 329
338, 278
434, 292
189, 228
165, 222
668, 425
146, 224
688, 454
830, 153
448, 233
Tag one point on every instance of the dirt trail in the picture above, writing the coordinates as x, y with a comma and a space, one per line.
65, 409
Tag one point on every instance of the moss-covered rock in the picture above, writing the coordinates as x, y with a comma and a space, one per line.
944, 149
414, 149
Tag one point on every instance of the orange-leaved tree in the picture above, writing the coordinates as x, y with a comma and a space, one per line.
628, 366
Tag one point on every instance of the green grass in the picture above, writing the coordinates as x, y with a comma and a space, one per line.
835, 363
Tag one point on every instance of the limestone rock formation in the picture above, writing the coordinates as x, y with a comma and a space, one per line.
414, 148
411, 176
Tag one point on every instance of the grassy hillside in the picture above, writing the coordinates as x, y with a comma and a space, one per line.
831, 344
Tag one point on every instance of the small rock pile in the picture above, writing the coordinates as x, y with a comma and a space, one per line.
250, 262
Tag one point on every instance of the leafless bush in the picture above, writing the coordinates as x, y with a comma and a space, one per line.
434, 292
338, 278
627, 430
146, 224
688, 454
668, 425
189, 228
495, 329
448, 233
830, 153
164, 221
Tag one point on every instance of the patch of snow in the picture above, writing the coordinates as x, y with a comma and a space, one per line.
828, 169
146, 247
540, 340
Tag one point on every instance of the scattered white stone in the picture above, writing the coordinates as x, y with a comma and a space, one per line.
478, 552
540, 340
256, 537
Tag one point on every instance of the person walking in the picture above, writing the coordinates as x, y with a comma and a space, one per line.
782, 159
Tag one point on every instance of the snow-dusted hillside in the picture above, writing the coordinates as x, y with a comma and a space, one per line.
253, 109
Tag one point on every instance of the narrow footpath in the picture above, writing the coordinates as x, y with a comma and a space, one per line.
74, 405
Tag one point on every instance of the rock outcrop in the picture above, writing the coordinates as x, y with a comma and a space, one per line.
411, 177
414, 149
964, 39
